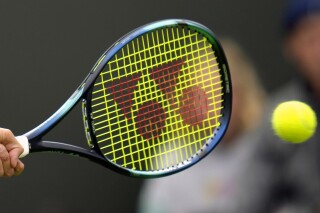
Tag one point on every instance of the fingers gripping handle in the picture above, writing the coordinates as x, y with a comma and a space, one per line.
24, 142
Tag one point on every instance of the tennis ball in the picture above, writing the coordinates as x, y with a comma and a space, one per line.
294, 121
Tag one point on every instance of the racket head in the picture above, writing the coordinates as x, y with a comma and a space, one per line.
159, 100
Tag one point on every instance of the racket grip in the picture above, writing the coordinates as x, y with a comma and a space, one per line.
24, 142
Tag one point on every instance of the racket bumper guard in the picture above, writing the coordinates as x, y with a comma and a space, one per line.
24, 142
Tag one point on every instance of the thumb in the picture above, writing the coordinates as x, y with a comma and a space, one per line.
14, 154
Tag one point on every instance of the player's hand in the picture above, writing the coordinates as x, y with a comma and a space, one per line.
10, 150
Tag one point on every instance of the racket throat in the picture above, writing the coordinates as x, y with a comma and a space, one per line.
42, 129
56, 147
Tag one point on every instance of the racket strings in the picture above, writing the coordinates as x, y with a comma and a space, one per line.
128, 101
163, 76
115, 131
158, 101
101, 115
105, 139
125, 101
124, 65
178, 137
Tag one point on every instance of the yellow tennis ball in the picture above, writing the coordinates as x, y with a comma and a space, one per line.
294, 121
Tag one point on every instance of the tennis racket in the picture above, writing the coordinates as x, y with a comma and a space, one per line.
155, 103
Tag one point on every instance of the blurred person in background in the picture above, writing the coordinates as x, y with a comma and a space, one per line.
278, 176
208, 186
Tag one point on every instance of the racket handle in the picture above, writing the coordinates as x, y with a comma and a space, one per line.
24, 142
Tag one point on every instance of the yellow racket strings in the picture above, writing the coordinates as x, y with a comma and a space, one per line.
158, 100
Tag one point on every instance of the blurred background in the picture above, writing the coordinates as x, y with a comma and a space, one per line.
46, 50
